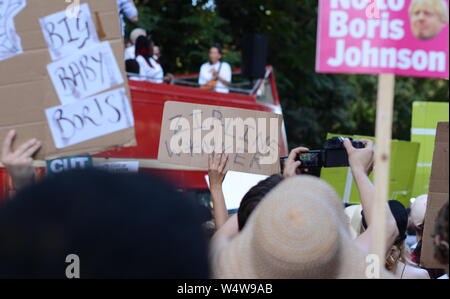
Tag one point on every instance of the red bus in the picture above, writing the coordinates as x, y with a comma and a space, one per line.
148, 101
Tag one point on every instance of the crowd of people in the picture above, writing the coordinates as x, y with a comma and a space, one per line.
290, 225
142, 61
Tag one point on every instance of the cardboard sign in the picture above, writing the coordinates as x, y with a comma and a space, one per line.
425, 117
403, 37
57, 166
26, 89
97, 116
10, 44
90, 71
437, 196
67, 34
189, 132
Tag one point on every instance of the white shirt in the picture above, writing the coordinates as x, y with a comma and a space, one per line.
130, 53
206, 75
153, 74
126, 8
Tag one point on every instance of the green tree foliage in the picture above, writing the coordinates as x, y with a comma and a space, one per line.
313, 104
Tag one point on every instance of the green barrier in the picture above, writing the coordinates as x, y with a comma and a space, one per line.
402, 171
425, 116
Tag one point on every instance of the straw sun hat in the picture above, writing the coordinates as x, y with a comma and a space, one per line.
298, 231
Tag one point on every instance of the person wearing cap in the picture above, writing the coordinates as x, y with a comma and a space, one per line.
397, 259
299, 230
417, 216
130, 51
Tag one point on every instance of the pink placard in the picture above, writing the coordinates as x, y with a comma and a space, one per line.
404, 37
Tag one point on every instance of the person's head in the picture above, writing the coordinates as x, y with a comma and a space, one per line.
132, 66
418, 210
215, 54
136, 33
119, 226
397, 250
156, 51
428, 18
298, 231
254, 196
441, 249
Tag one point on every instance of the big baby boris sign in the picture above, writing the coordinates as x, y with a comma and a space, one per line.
403, 37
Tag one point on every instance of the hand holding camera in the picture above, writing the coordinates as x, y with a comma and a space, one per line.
292, 163
337, 152
360, 159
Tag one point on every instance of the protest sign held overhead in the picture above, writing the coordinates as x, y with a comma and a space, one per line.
190, 132
437, 196
408, 38
65, 61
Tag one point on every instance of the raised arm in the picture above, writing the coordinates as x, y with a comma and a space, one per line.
216, 172
19, 163
361, 164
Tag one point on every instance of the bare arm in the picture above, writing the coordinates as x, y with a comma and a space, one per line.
225, 234
361, 163
18, 163
216, 173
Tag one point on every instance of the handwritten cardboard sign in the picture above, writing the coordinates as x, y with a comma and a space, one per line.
97, 116
26, 89
187, 137
437, 196
90, 71
407, 38
10, 44
65, 33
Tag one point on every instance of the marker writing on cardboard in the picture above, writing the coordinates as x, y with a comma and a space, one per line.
88, 115
86, 69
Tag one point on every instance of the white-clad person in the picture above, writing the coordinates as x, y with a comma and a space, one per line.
130, 51
215, 75
127, 9
149, 69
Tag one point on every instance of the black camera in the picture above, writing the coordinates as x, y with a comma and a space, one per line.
334, 154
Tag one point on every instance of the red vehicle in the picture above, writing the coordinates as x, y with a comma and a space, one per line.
148, 101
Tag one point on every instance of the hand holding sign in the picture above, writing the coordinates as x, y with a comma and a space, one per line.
18, 163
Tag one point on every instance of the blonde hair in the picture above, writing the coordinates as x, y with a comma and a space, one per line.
439, 5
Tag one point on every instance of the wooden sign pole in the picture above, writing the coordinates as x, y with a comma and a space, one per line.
383, 135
